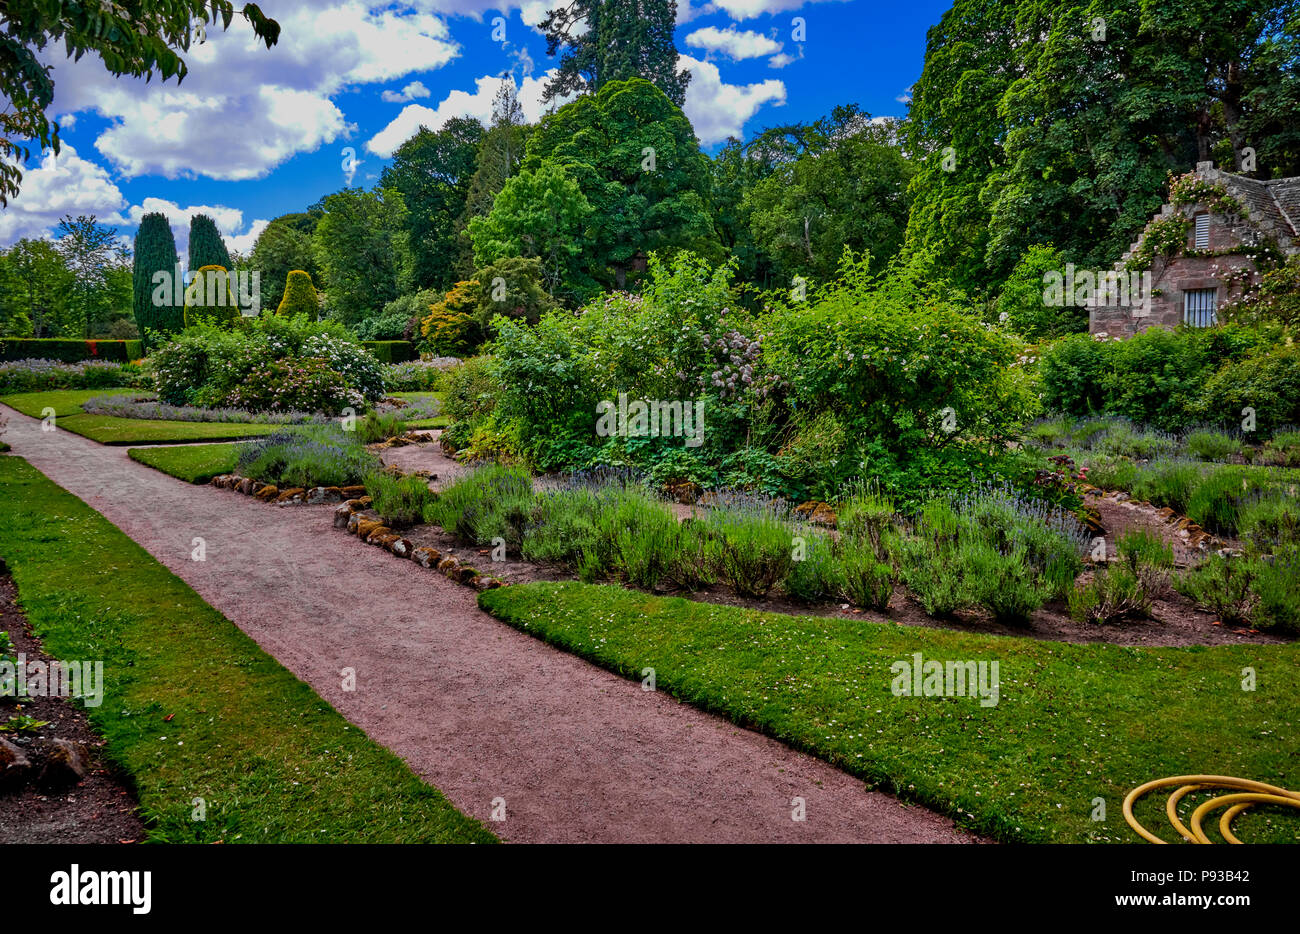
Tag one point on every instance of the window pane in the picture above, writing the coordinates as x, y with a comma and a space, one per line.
1202, 231
1199, 307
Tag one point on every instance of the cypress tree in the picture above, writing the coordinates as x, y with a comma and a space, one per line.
206, 246
155, 251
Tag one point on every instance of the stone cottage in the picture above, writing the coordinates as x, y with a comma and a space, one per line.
1201, 250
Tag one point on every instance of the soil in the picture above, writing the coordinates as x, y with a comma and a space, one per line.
1175, 620
475, 707
101, 808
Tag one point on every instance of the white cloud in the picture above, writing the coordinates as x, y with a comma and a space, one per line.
59, 185
477, 104
717, 109
752, 9
243, 109
229, 221
412, 91
735, 43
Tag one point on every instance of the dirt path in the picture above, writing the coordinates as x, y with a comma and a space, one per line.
475, 707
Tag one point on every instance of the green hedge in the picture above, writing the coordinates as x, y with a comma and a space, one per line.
391, 351
69, 351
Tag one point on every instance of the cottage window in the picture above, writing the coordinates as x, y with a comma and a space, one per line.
1198, 307
1201, 239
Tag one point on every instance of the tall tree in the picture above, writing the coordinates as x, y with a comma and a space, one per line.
282, 247
614, 40
499, 156
89, 250
432, 172
637, 162
35, 288
362, 252
848, 189
131, 38
737, 169
155, 251
206, 246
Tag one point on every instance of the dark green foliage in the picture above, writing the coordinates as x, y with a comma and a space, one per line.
70, 351
206, 246
155, 251
391, 351
619, 39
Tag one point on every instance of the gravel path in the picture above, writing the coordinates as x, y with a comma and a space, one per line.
476, 708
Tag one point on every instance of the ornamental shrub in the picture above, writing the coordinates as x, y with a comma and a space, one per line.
210, 295
300, 296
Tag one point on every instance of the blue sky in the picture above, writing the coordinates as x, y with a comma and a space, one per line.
251, 134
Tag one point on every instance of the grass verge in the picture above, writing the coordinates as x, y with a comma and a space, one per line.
192, 707
63, 401
193, 463
111, 430
1073, 723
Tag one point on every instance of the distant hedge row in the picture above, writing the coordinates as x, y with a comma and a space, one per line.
69, 351
391, 351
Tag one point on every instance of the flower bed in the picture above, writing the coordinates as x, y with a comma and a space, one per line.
35, 375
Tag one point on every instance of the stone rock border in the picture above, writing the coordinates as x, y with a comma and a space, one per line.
351, 516
1184, 528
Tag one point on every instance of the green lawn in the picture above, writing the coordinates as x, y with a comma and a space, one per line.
193, 463
63, 401
109, 429
1073, 723
193, 708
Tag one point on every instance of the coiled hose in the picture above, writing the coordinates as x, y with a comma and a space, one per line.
1247, 793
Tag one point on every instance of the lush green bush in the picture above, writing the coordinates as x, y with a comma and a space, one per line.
1073, 371
211, 296
416, 376
1212, 445
1224, 586
400, 319
243, 366
300, 297
69, 351
379, 426
400, 501
390, 351
1267, 383
1020, 305
37, 375
315, 455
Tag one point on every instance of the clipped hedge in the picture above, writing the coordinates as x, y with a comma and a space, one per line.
300, 296
391, 351
69, 351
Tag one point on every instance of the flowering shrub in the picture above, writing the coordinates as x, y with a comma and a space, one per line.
216, 367
136, 407
37, 375
295, 384
418, 376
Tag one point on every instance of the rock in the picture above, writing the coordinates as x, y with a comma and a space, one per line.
384, 538
352, 492
447, 564
289, 494
354, 522
246, 486
63, 763
323, 494
1166, 513
222, 481
685, 492
482, 583
817, 513
341, 516
397, 442
426, 557
368, 527
1092, 519
267, 493
1122, 497
1229, 552
402, 547
15, 767
463, 574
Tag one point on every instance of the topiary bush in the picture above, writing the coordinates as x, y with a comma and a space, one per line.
211, 296
300, 296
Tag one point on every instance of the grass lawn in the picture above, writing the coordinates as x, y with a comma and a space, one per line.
109, 429
1073, 723
193, 463
438, 421
63, 401
193, 708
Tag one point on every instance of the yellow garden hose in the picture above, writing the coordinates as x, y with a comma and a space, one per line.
1247, 793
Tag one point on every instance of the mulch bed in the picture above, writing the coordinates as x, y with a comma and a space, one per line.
102, 808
